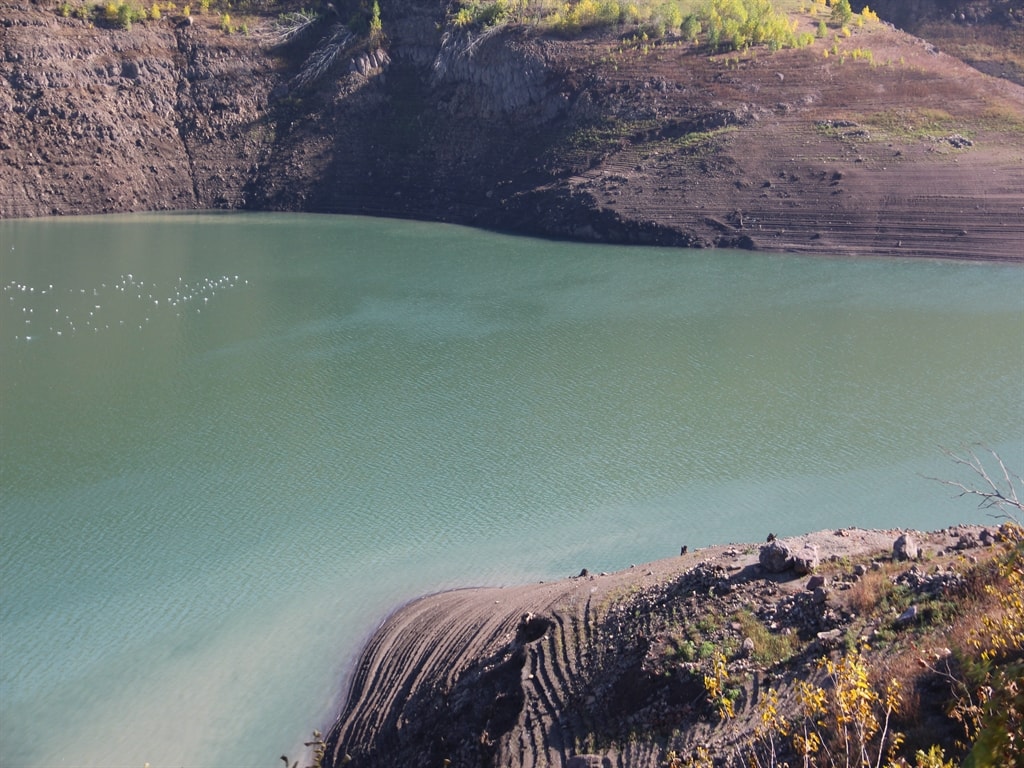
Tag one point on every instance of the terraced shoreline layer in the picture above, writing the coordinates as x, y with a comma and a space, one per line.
572, 672
875, 143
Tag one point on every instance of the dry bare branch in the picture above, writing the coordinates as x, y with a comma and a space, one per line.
998, 493
291, 25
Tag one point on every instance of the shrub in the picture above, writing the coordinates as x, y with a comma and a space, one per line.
841, 12
715, 684
844, 722
691, 28
993, 712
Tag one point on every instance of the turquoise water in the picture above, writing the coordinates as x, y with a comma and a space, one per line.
232, 443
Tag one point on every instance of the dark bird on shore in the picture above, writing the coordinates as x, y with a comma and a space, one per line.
683, 549
771, 537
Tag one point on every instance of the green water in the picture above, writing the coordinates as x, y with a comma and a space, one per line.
232, 443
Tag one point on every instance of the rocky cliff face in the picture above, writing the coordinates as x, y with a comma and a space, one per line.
600, 137
161, 117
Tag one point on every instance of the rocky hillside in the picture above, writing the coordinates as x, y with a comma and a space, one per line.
605, 670
872, 143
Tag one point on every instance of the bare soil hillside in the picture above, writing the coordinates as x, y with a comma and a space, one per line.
876, 143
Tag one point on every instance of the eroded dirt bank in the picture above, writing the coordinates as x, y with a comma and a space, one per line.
595, 670
909, 153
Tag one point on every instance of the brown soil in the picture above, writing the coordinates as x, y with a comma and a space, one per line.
817, 157
539, 674
596, 138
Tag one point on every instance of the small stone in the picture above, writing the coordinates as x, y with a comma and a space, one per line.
814, 582
748, 646
967, 541
820, 596
908, 615
859, 569
830, 637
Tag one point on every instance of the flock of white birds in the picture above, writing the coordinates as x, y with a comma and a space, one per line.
35, 311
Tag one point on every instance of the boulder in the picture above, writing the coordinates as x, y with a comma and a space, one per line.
806, 560
905, 548
775, 557
814, 582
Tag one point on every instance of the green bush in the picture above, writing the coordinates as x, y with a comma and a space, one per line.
691, 28
486, 15
841, 12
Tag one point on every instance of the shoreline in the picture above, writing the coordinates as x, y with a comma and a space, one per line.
574, 138
499, 669
842, 255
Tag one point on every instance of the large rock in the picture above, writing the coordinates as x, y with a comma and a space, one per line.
905, 548
775, 557
806, 560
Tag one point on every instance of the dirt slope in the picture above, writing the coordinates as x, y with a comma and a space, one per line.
600, 137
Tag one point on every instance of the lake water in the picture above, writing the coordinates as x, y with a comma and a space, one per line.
232, 443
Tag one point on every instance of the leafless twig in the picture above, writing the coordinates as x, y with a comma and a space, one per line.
323, 58
290, 25
994, 493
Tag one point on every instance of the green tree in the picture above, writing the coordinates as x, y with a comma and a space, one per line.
691, 28
377, 29
841, 12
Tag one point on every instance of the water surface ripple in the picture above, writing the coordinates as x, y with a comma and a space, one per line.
231, 443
